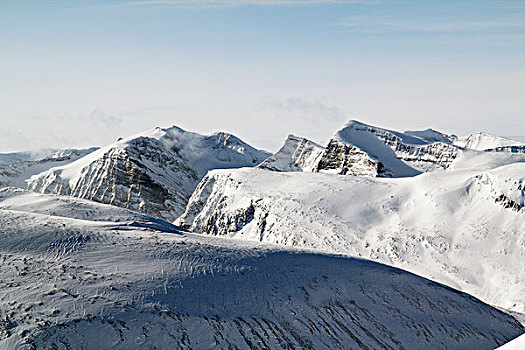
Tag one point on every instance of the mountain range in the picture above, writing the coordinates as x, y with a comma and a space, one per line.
172, 239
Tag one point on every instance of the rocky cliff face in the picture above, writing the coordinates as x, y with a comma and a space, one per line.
340, 158
153, 173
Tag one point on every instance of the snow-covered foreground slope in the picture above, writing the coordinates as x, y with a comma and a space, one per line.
462, 228
17, 168
69, 283
154, 173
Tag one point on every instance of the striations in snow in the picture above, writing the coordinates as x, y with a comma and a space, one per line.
154, 173
68, 282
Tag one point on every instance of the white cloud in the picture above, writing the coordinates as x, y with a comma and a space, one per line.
308, 110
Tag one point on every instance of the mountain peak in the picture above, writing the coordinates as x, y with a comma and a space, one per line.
153, 172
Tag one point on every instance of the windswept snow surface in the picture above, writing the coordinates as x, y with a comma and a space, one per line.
67, 282
154, 172
463, 228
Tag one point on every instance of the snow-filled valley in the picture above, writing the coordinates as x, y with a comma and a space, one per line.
160, 241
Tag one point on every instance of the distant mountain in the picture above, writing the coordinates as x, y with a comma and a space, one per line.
388, 153
359, 149
154, 173
482, 141
17, 168
70, 281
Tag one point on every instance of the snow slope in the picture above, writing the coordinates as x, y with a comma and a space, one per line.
67, 282
463, 228
154, 172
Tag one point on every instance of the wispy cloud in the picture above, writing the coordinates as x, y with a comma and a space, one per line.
414, 25
308, 110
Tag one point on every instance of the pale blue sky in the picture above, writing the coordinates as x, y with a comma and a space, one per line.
79, 73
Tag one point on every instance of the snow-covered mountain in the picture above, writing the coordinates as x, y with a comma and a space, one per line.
463, 228
17, 168
154, 173
70, 282
363, 150
297, 154
79, 273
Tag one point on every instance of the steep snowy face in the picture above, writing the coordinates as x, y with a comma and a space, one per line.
17, 168
71, 283
154, 173
462, 228
482, 141
297, 154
